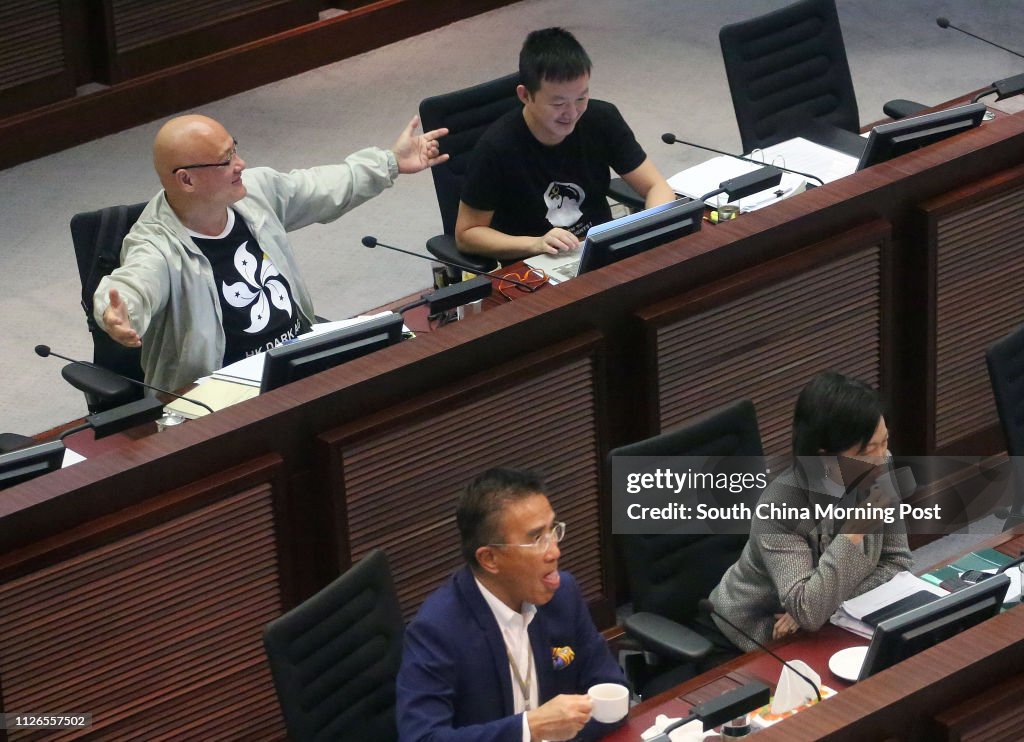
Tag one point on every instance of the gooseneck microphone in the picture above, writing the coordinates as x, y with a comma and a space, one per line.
99, 376
371, 242
706, 605
1005, 88
669, 138
944, 23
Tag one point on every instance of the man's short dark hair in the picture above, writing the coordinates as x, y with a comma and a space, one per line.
551, 54
480, 505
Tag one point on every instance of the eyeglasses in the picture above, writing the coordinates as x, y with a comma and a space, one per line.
231, 157
543, 542
533, 278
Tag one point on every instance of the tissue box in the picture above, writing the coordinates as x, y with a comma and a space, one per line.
764, 717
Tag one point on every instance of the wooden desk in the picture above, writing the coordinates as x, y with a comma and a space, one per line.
969, 684
135, 585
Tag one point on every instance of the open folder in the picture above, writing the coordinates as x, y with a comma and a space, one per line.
901, 591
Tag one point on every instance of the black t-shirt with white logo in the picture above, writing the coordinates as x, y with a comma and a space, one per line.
532, 187
255, 300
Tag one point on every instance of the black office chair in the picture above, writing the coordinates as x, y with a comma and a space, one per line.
788, 72
1005, 360
97, 237
334, 658
466, 113
668, 575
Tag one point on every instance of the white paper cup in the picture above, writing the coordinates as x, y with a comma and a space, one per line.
609, 702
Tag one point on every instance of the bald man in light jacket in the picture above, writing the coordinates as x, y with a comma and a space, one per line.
207, 274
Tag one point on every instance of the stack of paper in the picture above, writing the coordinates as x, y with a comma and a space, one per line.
217, 393
706, 177
812, 158
852, 612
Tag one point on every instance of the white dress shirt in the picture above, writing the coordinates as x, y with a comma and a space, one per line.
514, 627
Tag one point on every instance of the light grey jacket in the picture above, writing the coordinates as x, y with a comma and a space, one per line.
802, 570
167, 283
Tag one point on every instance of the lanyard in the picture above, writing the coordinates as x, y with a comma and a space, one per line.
524, 685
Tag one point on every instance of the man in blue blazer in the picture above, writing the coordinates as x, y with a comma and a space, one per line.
506, 649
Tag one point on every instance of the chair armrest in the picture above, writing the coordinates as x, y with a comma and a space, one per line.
443, 247
623, 192
900, 108
667, 638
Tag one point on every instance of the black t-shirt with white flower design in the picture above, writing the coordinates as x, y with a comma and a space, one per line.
532, 187
255, 300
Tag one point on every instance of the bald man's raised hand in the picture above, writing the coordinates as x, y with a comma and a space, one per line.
415, 152
117, 324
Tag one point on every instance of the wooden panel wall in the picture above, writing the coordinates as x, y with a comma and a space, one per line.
157, 631
762, 336
976, 246
149, 35
159, 58
396, 482
34, 68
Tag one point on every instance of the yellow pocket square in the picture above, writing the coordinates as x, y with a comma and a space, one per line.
562, 657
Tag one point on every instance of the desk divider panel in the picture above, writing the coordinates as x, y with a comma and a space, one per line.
395, 478
151, 621
975, 254
763, 333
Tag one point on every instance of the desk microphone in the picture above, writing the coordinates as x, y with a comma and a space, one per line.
93, 379
724, 708
1005, 88
669, 138
706, 605
371, 242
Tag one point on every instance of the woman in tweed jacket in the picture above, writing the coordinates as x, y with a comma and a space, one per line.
795, 571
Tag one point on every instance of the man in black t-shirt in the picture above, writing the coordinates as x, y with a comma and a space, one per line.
539, 176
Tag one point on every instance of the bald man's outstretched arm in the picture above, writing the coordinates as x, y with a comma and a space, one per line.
117, 323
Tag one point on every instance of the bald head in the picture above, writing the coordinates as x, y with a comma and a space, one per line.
188, 139
200, 170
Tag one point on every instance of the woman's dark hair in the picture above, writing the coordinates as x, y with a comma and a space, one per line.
834, 413
478, 513
551, 54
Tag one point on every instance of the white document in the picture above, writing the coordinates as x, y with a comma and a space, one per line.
695, 181
850, 613
71, 457
706, 177
808, 157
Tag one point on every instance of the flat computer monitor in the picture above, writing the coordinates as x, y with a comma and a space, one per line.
887, 141
305, 357
905, 635
26, 463
629, 235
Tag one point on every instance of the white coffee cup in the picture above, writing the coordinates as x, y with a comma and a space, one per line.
609, 702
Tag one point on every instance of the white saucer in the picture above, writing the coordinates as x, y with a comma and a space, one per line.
846, 663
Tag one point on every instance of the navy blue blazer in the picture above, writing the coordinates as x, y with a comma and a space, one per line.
454, 683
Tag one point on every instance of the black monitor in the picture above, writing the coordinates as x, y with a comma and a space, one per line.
624, 237
305, 357
887, 141
905, 635
26, 463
